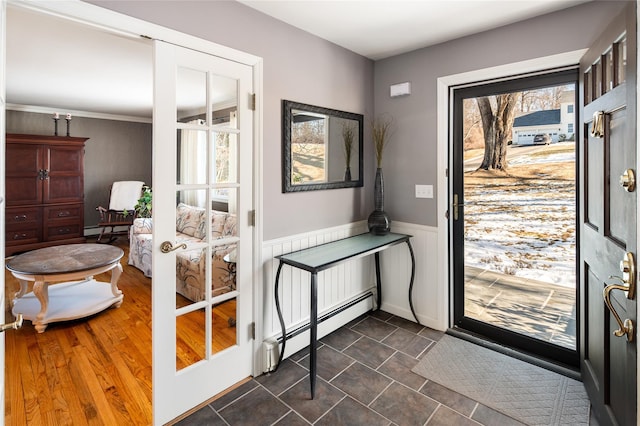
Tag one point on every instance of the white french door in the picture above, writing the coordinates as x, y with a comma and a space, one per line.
202, 290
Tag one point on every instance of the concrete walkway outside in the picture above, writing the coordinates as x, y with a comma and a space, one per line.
534, 308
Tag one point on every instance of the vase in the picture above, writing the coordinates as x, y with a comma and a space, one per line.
379, 222
347, 174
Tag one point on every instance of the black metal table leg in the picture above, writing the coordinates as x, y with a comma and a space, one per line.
279, 310
378, 280
413, 274
313, 338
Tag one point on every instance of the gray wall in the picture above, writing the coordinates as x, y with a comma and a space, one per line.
116, 150
298, 67
304, 68
411, 157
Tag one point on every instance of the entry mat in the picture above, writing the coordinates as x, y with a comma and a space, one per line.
528, 393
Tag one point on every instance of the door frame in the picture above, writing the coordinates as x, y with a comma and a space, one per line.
444, 110
518, 340
123, 24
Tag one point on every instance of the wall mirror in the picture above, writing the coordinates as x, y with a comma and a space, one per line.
321, 148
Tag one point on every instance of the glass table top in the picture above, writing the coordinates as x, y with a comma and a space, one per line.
318, 258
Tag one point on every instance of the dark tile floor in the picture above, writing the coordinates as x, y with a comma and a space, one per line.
364, 378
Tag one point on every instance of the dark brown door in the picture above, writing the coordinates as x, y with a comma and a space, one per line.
608, 216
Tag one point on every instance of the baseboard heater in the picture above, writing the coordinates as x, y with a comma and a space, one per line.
272, 345
302, 328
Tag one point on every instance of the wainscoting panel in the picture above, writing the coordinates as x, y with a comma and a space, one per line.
428, 294
335, 285
352, 279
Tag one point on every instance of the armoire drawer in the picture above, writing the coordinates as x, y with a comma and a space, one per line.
22, 236
62, 231
22, 217
64, 212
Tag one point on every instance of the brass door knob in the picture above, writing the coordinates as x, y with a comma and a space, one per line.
628, 180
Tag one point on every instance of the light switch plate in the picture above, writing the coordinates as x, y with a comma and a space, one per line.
424, 191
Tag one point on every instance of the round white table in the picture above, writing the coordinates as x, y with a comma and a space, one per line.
80, 295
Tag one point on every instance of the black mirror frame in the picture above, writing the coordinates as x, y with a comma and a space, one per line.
287, 186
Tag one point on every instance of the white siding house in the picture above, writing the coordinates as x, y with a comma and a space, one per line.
558, 123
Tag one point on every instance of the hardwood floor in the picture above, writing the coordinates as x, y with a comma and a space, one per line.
96, 370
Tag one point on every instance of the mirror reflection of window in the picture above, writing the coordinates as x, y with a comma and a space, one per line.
309, 135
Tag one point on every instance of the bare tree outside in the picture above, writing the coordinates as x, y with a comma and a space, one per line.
497, 123
480, 129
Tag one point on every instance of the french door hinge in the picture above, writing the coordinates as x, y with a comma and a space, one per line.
252, 218
252, 102
253, 330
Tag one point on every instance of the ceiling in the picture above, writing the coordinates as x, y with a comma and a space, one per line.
58, 64
65, 65
378, 29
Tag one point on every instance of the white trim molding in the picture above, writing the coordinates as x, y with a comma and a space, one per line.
444, 145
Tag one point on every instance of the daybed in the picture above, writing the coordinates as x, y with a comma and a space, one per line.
190, 265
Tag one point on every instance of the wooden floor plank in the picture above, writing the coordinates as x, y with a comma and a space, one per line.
51, 361
100, 411
135, 396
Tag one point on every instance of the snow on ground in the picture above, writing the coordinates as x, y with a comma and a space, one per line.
526, 230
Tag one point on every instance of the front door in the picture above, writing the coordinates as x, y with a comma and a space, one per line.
202, 239
608, 203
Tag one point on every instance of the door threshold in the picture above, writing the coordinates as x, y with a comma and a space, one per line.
469, 336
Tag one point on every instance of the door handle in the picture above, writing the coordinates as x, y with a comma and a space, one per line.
12, 325
167, 247
628, 280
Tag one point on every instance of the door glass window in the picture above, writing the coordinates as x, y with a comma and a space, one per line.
518, 204
206, 207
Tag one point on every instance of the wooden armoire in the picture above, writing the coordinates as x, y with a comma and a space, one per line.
44, 191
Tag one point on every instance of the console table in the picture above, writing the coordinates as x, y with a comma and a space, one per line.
69, 300
325, 256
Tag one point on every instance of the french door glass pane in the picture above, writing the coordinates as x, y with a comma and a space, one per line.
226, 157
224, 101
191, 95
223, 322
192, 152
190, 338
622, 60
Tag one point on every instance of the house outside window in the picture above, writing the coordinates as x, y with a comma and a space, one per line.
570, 109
